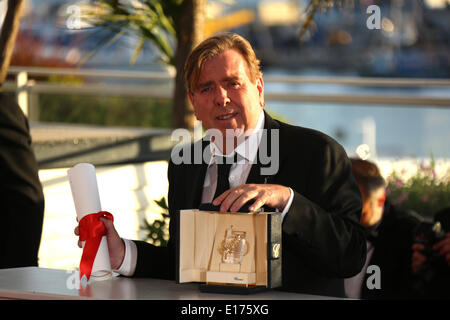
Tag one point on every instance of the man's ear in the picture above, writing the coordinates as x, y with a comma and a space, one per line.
260, 87
381, 200
191, 100
191, 97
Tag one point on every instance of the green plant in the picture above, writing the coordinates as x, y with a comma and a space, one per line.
157, 232
172, 26
106, 110
149, 20
424, 192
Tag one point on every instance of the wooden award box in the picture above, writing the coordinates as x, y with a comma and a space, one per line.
229, 252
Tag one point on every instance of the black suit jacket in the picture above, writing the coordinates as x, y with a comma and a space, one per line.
21, 196
323, 241
392, 241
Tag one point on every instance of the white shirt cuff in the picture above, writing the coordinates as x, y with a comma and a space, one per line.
288, 205
129, 260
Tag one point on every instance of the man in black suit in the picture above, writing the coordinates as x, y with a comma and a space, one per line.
308, 179
21, 196
389, 231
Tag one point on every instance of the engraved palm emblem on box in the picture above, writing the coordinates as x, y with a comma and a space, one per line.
234, 246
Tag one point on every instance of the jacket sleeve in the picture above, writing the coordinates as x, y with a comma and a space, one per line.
322, 225
21, 195
159, 262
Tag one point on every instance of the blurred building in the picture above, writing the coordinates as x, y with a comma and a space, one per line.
412, 41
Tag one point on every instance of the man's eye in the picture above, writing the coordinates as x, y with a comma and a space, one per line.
234, 84
205, 90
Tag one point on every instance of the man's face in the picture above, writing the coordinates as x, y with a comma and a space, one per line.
372, 210
225, 97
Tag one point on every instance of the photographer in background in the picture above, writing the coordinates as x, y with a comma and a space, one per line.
431, 257
389, 232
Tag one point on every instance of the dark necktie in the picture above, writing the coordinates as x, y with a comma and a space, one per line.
223, 171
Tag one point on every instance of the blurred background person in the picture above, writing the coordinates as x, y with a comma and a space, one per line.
389, 233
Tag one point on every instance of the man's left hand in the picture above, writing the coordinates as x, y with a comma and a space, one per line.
443, 247
272, 195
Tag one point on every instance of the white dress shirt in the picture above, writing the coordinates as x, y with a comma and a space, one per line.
353, 285
239, 172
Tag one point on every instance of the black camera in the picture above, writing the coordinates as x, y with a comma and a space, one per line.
429, 233
427, 281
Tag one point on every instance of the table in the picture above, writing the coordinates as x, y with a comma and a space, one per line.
42, 283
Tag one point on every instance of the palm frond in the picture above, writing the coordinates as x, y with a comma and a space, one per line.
104, 43
137, 50
145, 19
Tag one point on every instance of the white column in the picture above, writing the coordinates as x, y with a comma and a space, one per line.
22, 92
369, 129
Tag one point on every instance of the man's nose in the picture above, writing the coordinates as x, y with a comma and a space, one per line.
221, 98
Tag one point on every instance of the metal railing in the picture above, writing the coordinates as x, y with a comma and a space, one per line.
26, 88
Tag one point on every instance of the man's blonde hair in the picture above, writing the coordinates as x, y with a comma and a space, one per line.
214, 46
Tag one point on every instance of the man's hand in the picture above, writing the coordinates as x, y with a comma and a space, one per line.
116, 246
272, 195
418, 259
443, 247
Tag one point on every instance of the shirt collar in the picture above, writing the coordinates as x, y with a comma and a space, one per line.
246, 149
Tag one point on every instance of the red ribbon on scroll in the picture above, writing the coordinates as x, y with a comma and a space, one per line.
92, 230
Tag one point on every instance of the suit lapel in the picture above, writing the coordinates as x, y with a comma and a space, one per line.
196, 178
255, 172
254, 176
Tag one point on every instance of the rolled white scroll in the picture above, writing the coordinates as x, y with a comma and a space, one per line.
83, 183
